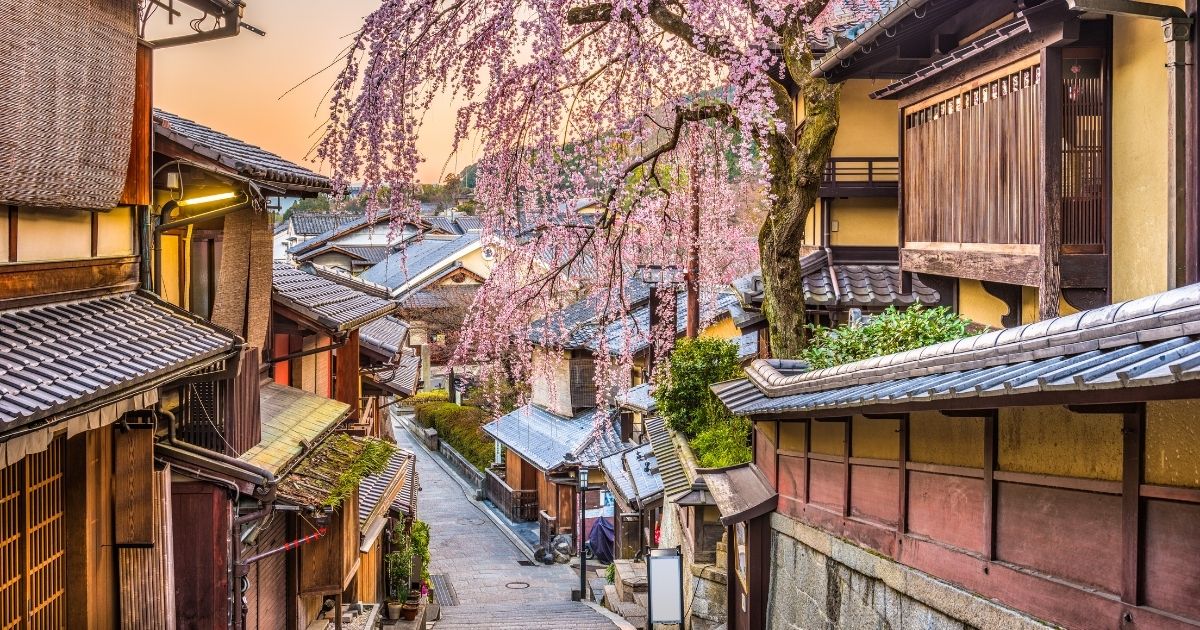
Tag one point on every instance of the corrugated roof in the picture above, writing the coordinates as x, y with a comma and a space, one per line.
59, 356
327, 303
292, 419
548, 441
418, 257
670, 468
246, 159
1146, 342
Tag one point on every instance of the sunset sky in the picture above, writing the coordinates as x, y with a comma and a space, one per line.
235, 85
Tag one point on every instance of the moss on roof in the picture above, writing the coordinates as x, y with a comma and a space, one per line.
333, 470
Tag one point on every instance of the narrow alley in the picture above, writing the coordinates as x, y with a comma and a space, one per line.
484, 580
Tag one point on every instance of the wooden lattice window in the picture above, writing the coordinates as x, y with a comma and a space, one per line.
1084, 150
32, 544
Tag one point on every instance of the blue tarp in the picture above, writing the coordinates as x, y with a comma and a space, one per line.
600, 539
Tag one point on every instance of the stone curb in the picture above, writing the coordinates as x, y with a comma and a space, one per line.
612, 616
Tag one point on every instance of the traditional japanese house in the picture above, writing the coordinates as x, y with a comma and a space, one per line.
89, 353
637, 488
1015, 121
359, 243
316, 342
387, 505
1040, 474
391, 368
301, 226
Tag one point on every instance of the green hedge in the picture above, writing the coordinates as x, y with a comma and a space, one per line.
460, 427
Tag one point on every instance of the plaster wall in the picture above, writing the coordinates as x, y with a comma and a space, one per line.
791, 436
1053, 441
1139, 158
865, 221
937, 439
722, 329
4, 237
115, 232
474, 261
52, 234
550, 385
978, 305
828, 438
868, 127
875, 439
1173, 443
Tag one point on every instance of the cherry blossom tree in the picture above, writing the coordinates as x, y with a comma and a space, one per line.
651, 109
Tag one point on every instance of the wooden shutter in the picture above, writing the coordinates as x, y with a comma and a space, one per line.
133, 487
32, 545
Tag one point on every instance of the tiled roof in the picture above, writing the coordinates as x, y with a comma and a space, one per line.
846, 19
639, 398
858, 286
439, 297
618, 478
394, 487
385, 336
670, 467
469, 223
292, 419
548, 441
314, 223
59, 356
360, 254
642, 467
403, 378
248, 160
326, 302
418, 257
379, 224
1148, 342
333, 469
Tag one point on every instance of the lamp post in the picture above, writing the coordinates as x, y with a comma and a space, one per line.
583, 482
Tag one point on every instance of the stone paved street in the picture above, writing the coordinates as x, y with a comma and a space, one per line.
484, 567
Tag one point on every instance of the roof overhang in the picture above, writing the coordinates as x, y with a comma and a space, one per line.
741, 493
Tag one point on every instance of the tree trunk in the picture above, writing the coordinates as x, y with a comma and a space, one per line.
797, 164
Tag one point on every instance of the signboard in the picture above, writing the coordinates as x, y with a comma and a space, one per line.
664, 577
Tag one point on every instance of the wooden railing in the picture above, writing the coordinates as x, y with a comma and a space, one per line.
547, 528
861, 177
369, 423
518, 505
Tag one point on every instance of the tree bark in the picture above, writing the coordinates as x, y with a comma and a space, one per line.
797, 163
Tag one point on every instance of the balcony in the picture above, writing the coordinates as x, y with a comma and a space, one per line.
520, 506
861, 177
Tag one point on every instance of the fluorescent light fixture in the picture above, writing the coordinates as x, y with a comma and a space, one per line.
207, 199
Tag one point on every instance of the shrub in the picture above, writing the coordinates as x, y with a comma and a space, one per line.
460, 427
419, 531
683, 396
421, 398
684, 399
889, 332
610, 574
723, 443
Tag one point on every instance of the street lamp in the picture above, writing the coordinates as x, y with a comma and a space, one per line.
583, 482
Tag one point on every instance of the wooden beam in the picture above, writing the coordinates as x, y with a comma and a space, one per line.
349, 380
28, 284
1023, 269
807, 459
848, 430
12, 234
1050, 215
902, 477
989, 484
1131, 504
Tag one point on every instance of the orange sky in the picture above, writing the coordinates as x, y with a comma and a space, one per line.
234, 85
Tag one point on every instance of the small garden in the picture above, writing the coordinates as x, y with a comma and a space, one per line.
458, 425
718, 437
408, 566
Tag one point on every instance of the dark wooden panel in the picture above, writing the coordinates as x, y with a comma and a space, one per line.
874, 493
133, 487
764, 455
947, 508
200, 517
1170, 570
137, 174
1083, 271
826, 485
1070, 534
26, 284
790, 482
997, 267
348, 379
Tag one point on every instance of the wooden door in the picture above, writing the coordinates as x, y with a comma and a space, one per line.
32, 545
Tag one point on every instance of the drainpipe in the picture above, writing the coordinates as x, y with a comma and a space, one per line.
264, 478
1177, 27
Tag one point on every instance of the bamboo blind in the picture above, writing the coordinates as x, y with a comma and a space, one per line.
32, 545
973, 161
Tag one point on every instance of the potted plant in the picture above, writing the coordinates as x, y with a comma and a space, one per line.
399, 571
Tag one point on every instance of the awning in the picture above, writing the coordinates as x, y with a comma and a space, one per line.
292, 420
740, 492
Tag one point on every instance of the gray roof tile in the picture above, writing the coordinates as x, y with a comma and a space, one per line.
417, 257
327, 303
58, 356
548, 441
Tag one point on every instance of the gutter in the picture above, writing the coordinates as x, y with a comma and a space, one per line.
835, 57
1177, 30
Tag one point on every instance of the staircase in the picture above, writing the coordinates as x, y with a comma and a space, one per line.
626, 596
523, 616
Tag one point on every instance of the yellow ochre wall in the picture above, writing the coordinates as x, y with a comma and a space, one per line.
875, 439
1139, 158
723, 328
474, 262
866, 221
44, 234
937, 439
868, 127
1054, 441
1173, 443
978, 305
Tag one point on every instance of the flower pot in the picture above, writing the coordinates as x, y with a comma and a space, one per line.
408, 612
393, 610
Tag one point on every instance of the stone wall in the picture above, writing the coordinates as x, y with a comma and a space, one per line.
821, 581
705, 592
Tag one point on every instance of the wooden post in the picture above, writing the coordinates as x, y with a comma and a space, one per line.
902, 473
1050, 215
1131, 504
807, 457
349, 381
989, 484
847, 429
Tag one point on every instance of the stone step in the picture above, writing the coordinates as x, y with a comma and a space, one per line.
524, 616
611, 599
630, 579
